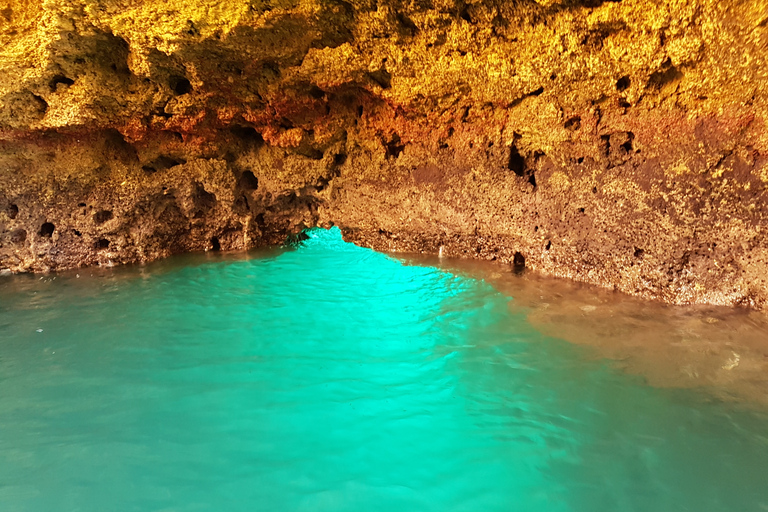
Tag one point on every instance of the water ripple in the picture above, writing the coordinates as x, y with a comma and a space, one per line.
329, 377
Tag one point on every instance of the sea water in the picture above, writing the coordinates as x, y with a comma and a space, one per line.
327, 377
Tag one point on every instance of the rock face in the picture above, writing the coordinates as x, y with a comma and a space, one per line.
620, 143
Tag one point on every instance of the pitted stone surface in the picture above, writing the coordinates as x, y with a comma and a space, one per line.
620, 143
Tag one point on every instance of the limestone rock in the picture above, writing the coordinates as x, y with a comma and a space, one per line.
620, 143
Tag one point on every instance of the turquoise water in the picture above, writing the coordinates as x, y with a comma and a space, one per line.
332, 378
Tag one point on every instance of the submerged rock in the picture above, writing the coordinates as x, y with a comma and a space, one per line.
617, 143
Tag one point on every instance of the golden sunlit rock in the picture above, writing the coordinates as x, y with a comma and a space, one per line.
620, 143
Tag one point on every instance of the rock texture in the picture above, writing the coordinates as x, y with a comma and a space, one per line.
620, 143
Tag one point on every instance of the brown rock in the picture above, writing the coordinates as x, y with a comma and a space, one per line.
617, 143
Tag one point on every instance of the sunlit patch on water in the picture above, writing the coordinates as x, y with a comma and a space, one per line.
333, 378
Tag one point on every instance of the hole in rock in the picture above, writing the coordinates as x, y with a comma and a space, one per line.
248, 181
180, 85
627, 146
516, 162
548, 246
12, 211
382, 77
247, 134
215, 245
102, 216
394, 147
77, 233
605, 144
518, 263
102, 243
42, 105
339, 158
537, 92
580, 160
581, 210
18, 236
623, 83
60, 79
464, 14
638, 253
47, 229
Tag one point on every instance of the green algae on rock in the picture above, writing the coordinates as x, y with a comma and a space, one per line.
621, 143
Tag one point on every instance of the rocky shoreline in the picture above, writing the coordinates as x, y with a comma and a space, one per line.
621, 144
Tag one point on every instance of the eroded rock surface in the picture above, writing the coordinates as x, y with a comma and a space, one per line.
620, 143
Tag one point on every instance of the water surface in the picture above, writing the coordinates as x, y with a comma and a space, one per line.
332, 378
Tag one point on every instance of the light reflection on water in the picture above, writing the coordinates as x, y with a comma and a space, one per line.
334, 378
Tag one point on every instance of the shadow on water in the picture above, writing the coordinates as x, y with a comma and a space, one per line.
334, 378
722, 351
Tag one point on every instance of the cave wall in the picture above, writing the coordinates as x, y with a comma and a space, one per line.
620, 143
